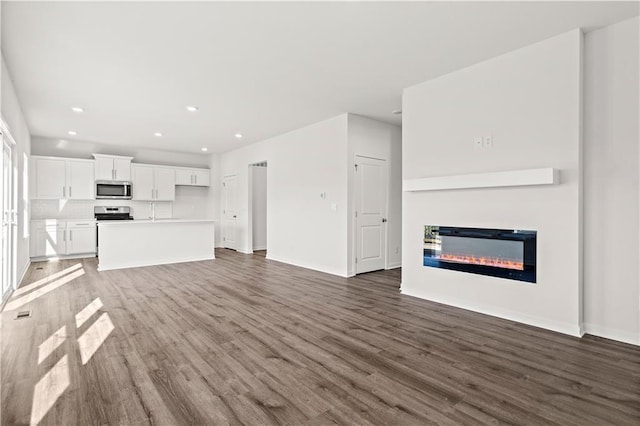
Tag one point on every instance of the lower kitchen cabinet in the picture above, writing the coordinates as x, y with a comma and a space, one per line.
53, 238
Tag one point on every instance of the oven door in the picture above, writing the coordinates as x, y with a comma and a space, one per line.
109, 190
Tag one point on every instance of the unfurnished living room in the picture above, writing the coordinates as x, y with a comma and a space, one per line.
320, 213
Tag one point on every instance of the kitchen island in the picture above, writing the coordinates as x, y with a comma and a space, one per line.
133, 243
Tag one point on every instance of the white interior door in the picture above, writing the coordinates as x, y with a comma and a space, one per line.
371, 211
229, 211
6, 268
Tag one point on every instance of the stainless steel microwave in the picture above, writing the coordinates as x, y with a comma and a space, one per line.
113, 190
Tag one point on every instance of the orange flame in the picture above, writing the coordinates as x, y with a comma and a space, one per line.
486, 261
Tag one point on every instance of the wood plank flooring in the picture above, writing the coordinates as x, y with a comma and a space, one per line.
244, 340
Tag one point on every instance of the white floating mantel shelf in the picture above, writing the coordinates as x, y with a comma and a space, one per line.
546, 176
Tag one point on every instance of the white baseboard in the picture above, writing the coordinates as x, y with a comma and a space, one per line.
613, 334
557, 326
394, 266
318, 268
24, 273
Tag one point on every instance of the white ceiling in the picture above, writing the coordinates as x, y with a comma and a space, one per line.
261, 69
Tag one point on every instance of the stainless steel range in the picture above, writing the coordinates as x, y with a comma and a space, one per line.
110, 213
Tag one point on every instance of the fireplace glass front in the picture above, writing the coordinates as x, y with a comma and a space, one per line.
504, 253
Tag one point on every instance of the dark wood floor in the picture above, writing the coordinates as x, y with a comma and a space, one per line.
244, 340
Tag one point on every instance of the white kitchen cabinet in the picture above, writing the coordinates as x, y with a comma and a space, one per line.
165, 181
81, 237
80, 183
153, 183
62, 178
192, 177
112, 167
53, 238
184, 177
143, 188
49, 177
47, 240
201, 177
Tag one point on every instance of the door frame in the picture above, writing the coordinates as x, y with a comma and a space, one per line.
354, 220
250, 204
224, 212
9, 143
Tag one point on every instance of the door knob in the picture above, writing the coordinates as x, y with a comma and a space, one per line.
384, 220
234, 216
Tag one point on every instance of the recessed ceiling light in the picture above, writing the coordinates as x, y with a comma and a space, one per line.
77, 109
158, 134
72, 132
396, 112
192, 108
238, 135
204, 149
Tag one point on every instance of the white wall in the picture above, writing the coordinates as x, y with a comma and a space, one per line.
259, 207
529, 100
302, 228
374, 139
213, 207
611, 163
13, 116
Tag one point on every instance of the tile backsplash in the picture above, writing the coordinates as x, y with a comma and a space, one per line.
81, 209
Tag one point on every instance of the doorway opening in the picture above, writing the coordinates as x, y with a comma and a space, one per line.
258, 208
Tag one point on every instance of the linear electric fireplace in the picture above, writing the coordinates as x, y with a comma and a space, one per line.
504, 253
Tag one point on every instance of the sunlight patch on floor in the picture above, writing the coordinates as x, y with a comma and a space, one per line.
47, 347
88, 311
27, 288
49, 388
93, 338
16, 303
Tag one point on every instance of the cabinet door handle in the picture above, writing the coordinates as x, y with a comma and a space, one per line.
69, 192
64, 236
70, 235
152, 194
64, 191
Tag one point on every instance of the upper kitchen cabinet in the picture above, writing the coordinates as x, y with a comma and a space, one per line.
153, 183
112, 167
192, 177
57, 178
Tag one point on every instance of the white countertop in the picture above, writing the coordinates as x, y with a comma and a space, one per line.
64, 220
147, 221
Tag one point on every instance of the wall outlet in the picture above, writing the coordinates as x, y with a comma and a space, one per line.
487, 142
478, 143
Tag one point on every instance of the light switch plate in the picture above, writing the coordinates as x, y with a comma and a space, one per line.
487, 142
